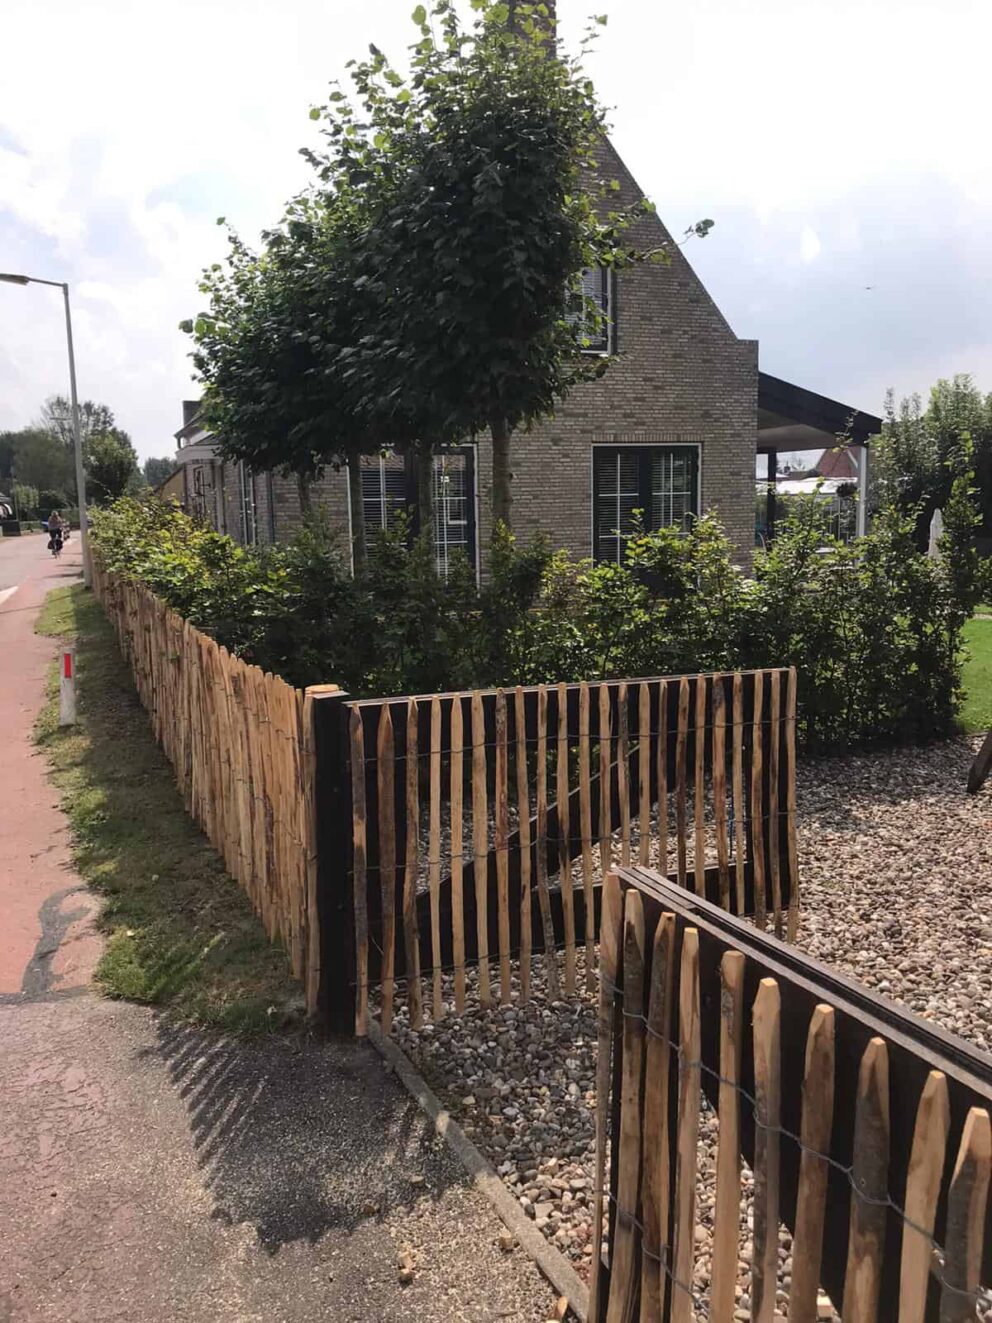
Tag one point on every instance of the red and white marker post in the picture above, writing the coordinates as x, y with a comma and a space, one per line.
67, 688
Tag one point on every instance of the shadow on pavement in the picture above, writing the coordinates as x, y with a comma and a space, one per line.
297, 1136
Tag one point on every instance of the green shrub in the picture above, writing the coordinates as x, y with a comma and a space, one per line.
874, 628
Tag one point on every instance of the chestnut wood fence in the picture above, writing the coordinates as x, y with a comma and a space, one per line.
482, 824
865, 1127
240, 744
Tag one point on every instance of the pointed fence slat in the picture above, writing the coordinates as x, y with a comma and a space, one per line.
699, 788
767, 1119
565, 848
623, 771
791, 719
457, 849
610, 931
644, 774
411, 937
434, 858
655, 1157
966, 1204
681, 797
480, 844
811, 1199
523, 815
758, 804
605, 786
926, 1169
728, 1164
774, 826
386, 772
585, 828
502, 844
661, 758
359, 877
623, 1263
688, 1130
543, 894
719, 778
869, 1187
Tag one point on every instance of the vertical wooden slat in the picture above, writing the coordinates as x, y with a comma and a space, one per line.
386, 773
543, 896
480, 844
811, 1200
688, 1132
964, 1237
605, 782
359, 876
767, 1108
434, 857
623, 1250
926, 1170
585, 827
662, 773
740, 808
644, 775
681, 798
791, 718
758, 800
610, 926
623, 771
656, 1158
866, 1242
411, 936
523, 817
565, 847
502, 842
719, 778
457, 850
699, 788
728, 1163
774, 758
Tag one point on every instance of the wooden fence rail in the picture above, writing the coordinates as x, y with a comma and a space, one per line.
866, 1130
482, 821
240, 743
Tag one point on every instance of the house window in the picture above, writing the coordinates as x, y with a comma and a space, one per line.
389, 486
249, 521
597, 287
384, 490
660, 481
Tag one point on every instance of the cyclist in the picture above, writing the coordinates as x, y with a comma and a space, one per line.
56, 533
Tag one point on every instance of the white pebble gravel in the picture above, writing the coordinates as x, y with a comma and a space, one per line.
896, 869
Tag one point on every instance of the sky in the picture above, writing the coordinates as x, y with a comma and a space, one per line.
841, 149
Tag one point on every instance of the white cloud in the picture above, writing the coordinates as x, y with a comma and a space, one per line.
125, 129
809, 245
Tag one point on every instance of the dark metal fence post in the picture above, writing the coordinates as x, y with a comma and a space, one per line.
335, 901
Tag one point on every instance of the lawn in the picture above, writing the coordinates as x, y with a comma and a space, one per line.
180, 932
976, 714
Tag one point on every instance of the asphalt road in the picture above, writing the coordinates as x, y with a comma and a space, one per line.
26, 557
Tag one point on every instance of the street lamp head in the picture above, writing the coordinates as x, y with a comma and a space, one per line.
14, 280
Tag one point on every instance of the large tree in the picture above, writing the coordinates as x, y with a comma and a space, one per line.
490, 206
913, 462
95, 419
38, 459
157, 470
111, 467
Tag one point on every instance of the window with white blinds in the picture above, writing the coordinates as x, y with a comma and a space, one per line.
597, 286
384, 490
662, 482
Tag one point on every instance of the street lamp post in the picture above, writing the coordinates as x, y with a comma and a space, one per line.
12, 279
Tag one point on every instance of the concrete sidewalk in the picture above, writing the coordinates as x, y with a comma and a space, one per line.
154, 1173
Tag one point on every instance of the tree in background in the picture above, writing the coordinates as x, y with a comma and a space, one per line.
914, 463
111, 467
39, 459
95, 419
157, 470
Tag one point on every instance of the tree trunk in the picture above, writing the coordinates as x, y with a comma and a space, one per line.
502, 474
303, 489
425, 491
359, 549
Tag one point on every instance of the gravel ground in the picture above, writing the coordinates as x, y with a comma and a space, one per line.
896, 866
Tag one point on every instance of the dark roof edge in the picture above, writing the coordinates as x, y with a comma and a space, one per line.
813, 410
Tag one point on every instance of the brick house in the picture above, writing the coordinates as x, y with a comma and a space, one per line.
672, 428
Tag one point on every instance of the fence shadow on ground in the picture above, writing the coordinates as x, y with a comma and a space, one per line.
296, 1136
